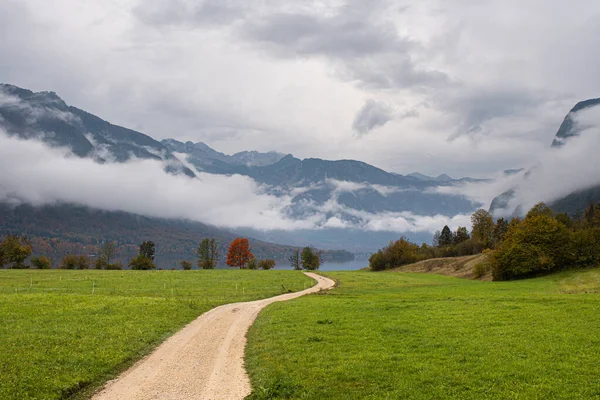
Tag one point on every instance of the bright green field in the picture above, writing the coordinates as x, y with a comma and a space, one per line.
414, 336
58, 340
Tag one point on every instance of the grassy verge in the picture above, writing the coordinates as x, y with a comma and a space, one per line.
416, 336
63, 333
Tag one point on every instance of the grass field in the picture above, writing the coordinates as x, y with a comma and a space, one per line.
62, 333
415, 336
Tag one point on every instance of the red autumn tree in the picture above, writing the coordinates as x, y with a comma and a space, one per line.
239, 253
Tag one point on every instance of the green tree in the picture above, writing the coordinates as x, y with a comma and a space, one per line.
294, 259
14, 251
446, 237
482, 230
591, 216
75, 262
396, 254
500, 230
253, 263
141, 262
147, 249
564, 219
41, 262
540, 209
461, 235
538, 244
107, 252
207, 254
311, 259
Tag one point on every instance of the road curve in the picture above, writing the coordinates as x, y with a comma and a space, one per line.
204, 360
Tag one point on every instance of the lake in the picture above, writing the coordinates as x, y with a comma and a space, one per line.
332, 266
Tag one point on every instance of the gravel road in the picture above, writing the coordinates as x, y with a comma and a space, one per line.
204, 360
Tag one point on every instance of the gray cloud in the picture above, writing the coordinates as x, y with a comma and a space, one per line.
478, 106
372, 115
357, 36
365, 46
550, 175
177, 12
231, 73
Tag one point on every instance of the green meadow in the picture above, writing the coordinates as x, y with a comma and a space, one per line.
396, 335
63, 333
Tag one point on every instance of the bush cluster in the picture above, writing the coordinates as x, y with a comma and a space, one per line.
74, 262
543, 242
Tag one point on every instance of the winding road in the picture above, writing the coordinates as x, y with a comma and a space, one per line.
204, 360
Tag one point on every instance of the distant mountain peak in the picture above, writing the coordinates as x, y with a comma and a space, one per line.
201, 154
569, 128
426, 178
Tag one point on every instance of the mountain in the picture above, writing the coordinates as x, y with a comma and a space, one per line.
574, 202
57, 230
319, 181
333, 193
439, 178
569, 128
200, 154
46, 116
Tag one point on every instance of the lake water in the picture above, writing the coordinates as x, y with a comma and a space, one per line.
331, 266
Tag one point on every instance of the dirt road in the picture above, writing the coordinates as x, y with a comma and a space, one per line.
205, 360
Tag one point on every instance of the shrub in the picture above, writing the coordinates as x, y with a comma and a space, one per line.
100, 263
538, 244
586, 247
266, 264
114, 266
141, 262
185, 265
480, 270
400, 252
41, 262
253, 263
74, 262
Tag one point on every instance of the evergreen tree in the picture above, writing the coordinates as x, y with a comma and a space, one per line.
461, 235
445, 238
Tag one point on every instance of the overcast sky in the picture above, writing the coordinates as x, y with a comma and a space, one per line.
437, 86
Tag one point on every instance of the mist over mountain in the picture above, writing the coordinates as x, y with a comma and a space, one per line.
278, 192
268, 195
567, 171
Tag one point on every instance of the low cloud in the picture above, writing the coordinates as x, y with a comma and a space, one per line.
552, 175
40, 175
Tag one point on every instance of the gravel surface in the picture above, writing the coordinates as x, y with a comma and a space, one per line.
205, 360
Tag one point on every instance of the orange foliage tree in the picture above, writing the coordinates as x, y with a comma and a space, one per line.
239, 253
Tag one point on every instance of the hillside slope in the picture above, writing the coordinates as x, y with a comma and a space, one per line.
61, 229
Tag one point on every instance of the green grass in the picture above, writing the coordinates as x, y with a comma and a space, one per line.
415, 336
58, 340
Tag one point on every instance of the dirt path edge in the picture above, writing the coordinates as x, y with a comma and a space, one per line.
204, 360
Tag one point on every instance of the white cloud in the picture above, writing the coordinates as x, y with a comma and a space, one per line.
39, 175
550, 175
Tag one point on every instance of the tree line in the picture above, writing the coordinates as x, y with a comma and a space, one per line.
14, 251
541, 242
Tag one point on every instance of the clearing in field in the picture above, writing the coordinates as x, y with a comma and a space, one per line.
396, 335
63, 333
